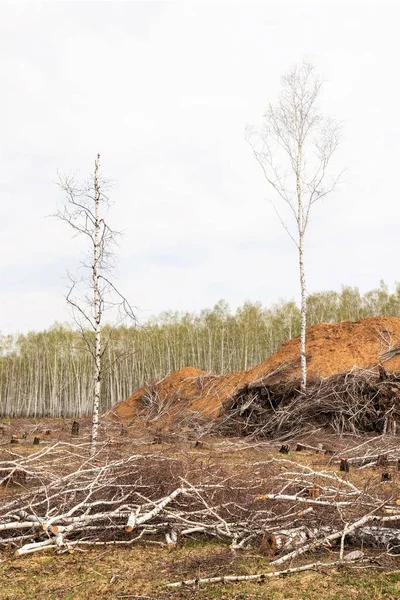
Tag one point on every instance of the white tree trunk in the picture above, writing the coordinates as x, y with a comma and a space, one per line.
303, 314
301, 222
97, 311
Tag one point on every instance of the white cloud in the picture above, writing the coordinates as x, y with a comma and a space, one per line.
164, 91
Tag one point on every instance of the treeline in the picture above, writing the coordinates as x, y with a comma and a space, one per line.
49, 373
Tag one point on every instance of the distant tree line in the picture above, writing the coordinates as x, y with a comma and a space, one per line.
49, 373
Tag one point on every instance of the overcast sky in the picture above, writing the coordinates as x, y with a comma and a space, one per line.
164, 90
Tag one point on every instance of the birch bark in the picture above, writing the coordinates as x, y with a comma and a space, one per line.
97, 310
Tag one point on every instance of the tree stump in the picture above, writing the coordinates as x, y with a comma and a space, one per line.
268, 545
284, 449
344, 465
115, 442
382, 460
313, 492
14, 440
300, 447
75, 429
36, 441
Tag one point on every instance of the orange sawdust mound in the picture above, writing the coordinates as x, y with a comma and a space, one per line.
167, 387
330, 349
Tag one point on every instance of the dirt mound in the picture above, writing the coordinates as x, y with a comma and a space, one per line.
335, 348
331, 349
170, 386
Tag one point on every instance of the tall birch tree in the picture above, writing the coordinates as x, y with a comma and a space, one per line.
92, 294
294, 148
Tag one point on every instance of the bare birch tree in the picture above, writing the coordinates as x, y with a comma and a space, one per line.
94, 293
294, 148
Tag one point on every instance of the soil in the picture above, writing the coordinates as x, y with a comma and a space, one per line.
330, 349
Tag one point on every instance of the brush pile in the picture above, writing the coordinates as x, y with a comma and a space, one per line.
361, 401
57, 500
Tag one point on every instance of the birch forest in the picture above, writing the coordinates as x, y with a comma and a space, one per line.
50, 373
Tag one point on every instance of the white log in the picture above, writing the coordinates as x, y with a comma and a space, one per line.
256, 577
134, 521
325, 540
368, 535
131, 523
49, 525
19, 525
305, 500
35, 547
171, 539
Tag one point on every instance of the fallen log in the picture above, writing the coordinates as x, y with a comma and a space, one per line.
367, 536
327, 539
36, 547
258, 576
135, 520
305, 500
301, 446
102, 503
